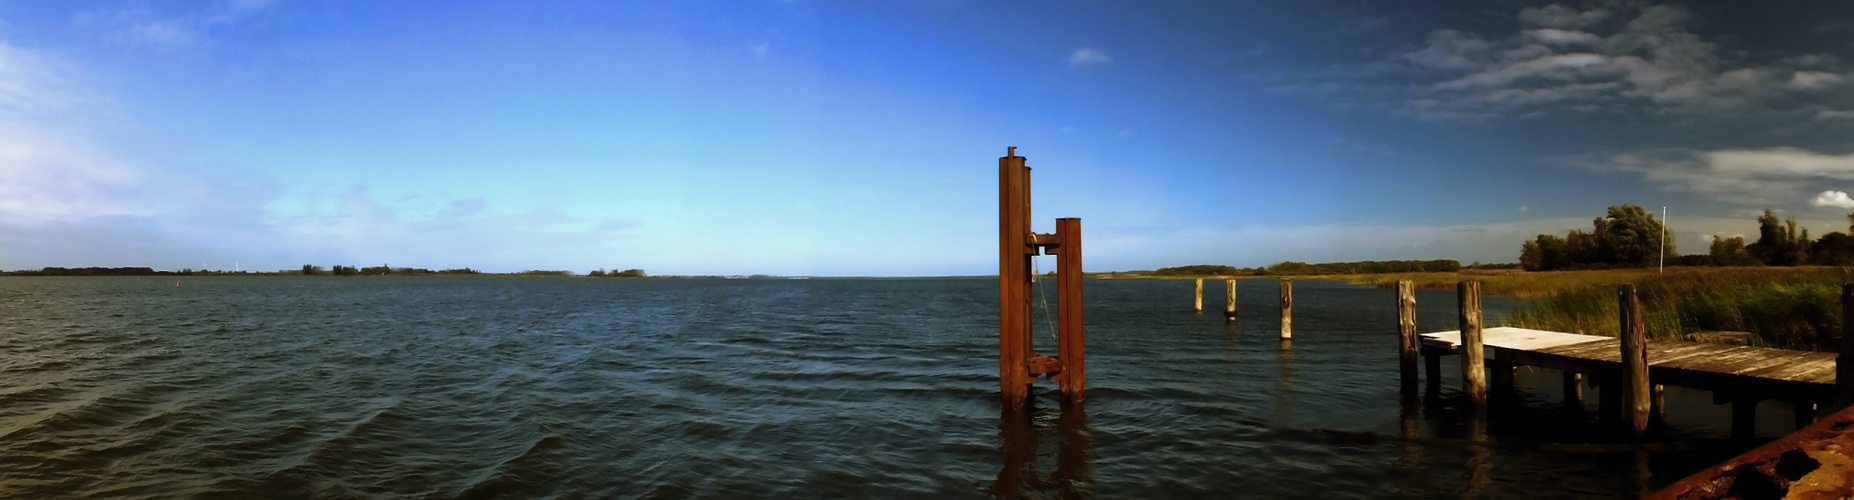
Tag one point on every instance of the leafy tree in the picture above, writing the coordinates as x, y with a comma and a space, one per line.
1779, 243
1834, 249
1626, 236
630, 273
1630, 235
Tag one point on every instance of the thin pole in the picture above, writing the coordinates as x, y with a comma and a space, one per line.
1663, 245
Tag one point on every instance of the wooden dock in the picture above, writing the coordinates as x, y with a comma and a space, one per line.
1736, 374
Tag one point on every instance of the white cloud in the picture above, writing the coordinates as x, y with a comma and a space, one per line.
1450, 49
1610, 57
1814, 80
1559, 16
1552, 36
1832, 198
47, 168
1830, 114
1747, 176
68, 199
1089, 57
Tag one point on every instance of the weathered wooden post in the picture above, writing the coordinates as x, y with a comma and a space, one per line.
1197, 297
1473, 367
1287, 309
1660, 402
1844, 363
1229, 306
1074, 377
1574, 390
1637, 396
1013, 279
1406, 335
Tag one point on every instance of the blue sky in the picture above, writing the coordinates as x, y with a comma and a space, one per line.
861, 138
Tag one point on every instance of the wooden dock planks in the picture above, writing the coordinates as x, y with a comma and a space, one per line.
1718, 360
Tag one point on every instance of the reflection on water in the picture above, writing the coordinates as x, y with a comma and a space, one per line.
1030, 470
1285, 397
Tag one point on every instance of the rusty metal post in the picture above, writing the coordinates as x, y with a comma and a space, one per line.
1074, 377
1013, 279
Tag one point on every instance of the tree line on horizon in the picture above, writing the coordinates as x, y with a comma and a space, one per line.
380, 270
1292, 268
1629, 236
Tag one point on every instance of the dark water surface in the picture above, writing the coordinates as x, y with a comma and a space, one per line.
485, 387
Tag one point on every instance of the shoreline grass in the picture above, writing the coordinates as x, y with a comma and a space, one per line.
1784, 307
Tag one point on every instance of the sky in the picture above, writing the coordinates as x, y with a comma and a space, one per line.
840, 138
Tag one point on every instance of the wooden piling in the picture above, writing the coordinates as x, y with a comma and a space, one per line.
1406, 335
1844, 363
1229, 305
1744, 418
1637, 402
1432, 373
1197, 298
1504, 378
1660, 402
1287, 309
1074, 377
1609, 398
1473, 367
1574, 390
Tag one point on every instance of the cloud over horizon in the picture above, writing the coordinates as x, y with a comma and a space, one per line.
1743, 176
1087, 56
1610, 58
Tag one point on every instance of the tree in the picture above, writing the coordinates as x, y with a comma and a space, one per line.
630, 273
1779, 243
1627, 235
1545, 253
1834, 249
1630, 235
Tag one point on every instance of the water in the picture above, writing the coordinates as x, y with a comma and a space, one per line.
487, 387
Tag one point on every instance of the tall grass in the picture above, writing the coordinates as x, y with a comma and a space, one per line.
1513, 283
1786, 307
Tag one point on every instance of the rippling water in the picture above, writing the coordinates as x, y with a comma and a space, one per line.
487, 387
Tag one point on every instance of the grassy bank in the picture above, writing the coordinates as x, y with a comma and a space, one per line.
1787, 307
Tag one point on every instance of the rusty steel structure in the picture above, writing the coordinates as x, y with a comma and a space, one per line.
1813, 462
1018, 362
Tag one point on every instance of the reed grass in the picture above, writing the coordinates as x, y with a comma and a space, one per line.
1785, 307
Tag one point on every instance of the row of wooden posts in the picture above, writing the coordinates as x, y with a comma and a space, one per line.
1229, 304
1636, 398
